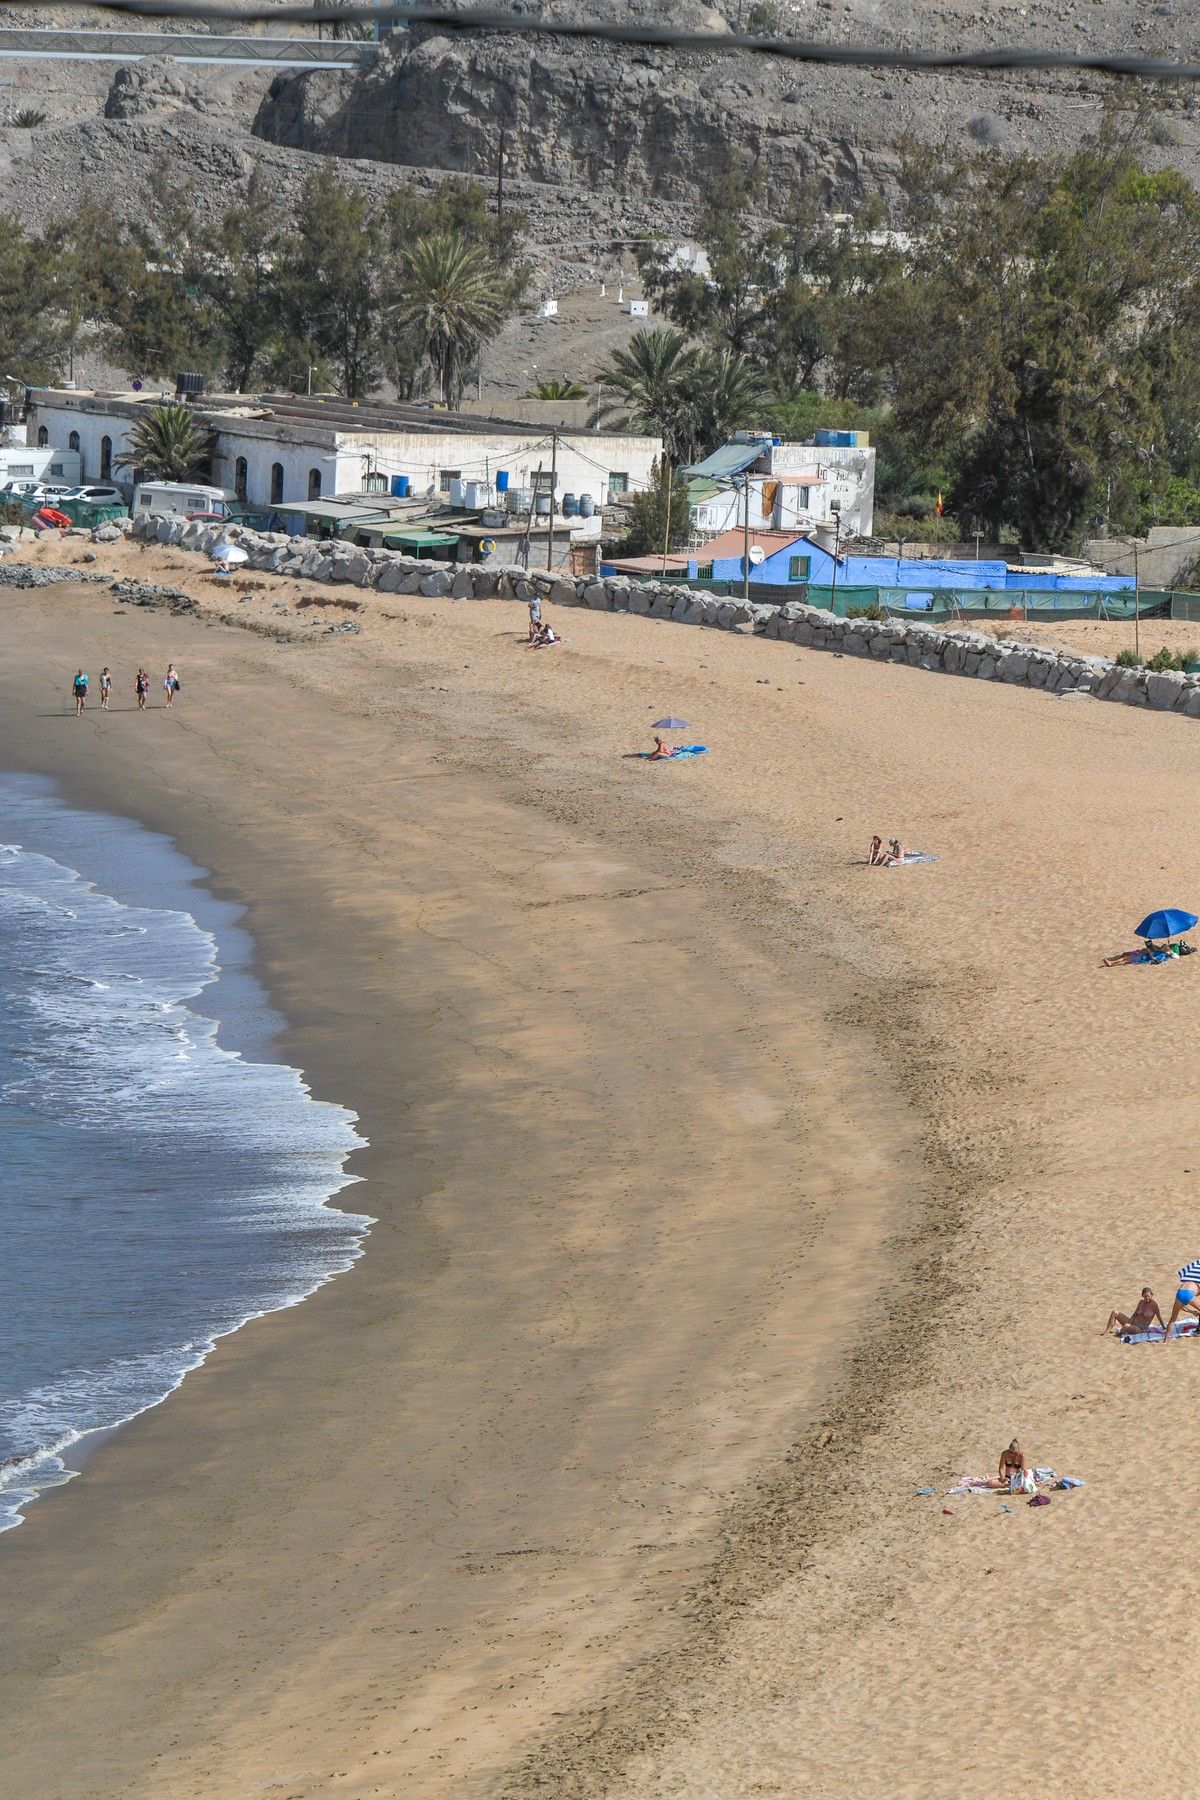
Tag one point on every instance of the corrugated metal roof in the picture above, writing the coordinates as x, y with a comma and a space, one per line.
732, 543
729, 460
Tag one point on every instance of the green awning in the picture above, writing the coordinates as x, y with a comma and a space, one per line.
420, 540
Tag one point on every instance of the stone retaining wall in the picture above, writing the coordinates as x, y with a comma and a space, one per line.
951, 652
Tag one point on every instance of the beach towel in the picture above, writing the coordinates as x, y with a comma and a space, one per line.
973, 1484
1183, 1328
913, 857
684, 750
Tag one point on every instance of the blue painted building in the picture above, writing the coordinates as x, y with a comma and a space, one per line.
796, 560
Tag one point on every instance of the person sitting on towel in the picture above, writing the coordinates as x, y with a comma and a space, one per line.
898, 852
1012, 1464
1140, 1319
877, 856
661, 750
1185, 1301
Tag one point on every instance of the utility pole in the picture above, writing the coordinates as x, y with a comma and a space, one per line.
978, 536
746, 539
1137, 605
667, 526
836, 510
553, 482
500, 179
523, 549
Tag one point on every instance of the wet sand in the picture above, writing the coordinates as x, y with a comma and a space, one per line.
729, 1193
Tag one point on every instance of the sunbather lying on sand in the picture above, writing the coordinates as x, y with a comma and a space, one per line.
1140, 1319
1147, 954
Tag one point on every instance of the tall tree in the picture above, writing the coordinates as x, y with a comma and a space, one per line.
329, 279
658, 518
33, 338
240, 285
447, 300
645, 388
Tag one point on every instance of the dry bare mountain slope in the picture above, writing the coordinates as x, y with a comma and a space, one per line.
616, 138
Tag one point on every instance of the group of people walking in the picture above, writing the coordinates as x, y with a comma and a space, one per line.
81, 687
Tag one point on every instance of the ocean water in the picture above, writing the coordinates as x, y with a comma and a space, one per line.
163, 1175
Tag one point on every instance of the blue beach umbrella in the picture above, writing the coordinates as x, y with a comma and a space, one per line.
682, 725
1167, 923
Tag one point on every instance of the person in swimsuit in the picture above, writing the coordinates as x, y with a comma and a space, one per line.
1140, 1319
79, 688
876, 856
535, 618
105, 689
1012, 1463
142, 688
661, 750
1185, 1301
171, 684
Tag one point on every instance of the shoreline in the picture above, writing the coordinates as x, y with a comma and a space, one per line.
143, 871
311, 1048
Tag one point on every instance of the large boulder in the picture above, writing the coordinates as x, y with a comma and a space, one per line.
436, 583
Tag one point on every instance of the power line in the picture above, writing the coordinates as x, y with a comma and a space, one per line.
1143, 68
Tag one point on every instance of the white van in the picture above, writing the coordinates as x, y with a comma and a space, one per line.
182, 498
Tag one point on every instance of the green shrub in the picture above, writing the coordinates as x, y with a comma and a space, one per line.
1128, 659
29, 118
873, 611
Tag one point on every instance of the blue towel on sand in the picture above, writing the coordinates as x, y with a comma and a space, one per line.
686, 750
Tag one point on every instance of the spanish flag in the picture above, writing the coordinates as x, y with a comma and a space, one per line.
939, 509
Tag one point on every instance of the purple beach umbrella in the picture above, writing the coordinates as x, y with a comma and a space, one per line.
669, 725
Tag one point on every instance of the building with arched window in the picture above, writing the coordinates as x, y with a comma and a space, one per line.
314, 484
43, 437
276, 483
240, 476
73, 441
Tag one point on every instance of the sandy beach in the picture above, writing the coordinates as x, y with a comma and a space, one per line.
728, 1192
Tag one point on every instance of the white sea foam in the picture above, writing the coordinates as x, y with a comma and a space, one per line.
162, 1188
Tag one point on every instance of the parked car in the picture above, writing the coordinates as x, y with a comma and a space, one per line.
102, 494
34, 490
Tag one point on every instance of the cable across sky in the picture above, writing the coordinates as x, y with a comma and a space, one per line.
1144, 68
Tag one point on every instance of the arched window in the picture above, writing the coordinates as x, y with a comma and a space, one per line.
73, 441
239, 478
106, 459
276, 484
314, 484
43, 437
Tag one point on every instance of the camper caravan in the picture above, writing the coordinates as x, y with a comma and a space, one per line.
184, 499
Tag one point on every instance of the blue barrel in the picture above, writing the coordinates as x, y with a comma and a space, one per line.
502, 481
587, 507
570, 506
400, 486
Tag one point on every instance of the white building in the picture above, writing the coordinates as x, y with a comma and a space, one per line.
283, 448
788, 485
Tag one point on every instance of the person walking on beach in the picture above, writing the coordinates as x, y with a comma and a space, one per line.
1140, 1319
105, 688
535, 617
141, 688
80, 688
1185, 1301
171, 684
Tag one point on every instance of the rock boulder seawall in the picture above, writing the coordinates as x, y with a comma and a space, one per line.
957, 651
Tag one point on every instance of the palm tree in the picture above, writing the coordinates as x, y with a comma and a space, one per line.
726, 392
645, 387
557, 390
449, 301
168, 444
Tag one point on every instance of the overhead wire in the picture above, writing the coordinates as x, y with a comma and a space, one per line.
991, 59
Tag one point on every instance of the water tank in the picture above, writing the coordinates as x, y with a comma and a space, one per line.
475, 495
543, 506
520, 500
188, 384
502, 481
570, 506
587, 507
400, 486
